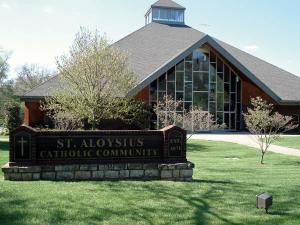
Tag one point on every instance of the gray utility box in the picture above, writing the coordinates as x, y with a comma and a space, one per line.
264, 201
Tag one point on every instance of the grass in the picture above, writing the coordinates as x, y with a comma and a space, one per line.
223, 193
291, 142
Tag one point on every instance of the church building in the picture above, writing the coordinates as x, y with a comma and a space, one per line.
171, 58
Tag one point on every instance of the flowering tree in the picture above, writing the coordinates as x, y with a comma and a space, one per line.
95, 78
166, 111
197, 119
193, 120
265, 124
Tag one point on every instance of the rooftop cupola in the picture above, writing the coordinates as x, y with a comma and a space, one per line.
165, 11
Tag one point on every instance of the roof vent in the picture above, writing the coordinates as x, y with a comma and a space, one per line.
165, 11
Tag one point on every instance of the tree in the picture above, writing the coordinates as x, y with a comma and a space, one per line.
29, 76
7, 95
6, 86
266, 124
165, 110
131, 112
12, 115
3, 66
94, 76
197, 119
192, 120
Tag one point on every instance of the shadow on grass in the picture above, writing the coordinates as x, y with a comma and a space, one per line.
193, 200
211, 181
169, 198
58, 209
4, 145
279, 213
196, 147
293, 163
199, 203
9, 216
16, 209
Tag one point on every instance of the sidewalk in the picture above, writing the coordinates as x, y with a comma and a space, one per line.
245, 139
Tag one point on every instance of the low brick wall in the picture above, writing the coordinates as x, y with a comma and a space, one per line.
137, 171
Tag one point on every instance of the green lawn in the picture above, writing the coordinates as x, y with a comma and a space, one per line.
223, 193
291, 142
3, 138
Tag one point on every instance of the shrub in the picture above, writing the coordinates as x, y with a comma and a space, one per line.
64, 121
3, 131
12, 119
134, 113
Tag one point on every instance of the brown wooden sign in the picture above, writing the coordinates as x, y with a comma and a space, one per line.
32, 147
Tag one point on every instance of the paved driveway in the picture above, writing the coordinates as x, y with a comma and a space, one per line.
245, 139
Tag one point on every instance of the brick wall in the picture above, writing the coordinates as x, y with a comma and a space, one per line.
33, 116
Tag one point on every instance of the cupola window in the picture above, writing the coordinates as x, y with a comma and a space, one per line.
165, 11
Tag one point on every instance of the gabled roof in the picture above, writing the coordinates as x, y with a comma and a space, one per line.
283, 86
149, 48
155, 44
45, 89
156, 47
167, 4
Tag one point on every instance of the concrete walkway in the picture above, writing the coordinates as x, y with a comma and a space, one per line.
245, 139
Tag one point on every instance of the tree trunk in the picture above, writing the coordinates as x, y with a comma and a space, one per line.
262, 157
191, 135
93, 125
93, 122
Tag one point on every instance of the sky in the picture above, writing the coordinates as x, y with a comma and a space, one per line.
39, 31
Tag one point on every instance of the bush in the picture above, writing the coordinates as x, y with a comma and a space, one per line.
3, 131
134, 113
65, 121
12, 119
119, 114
